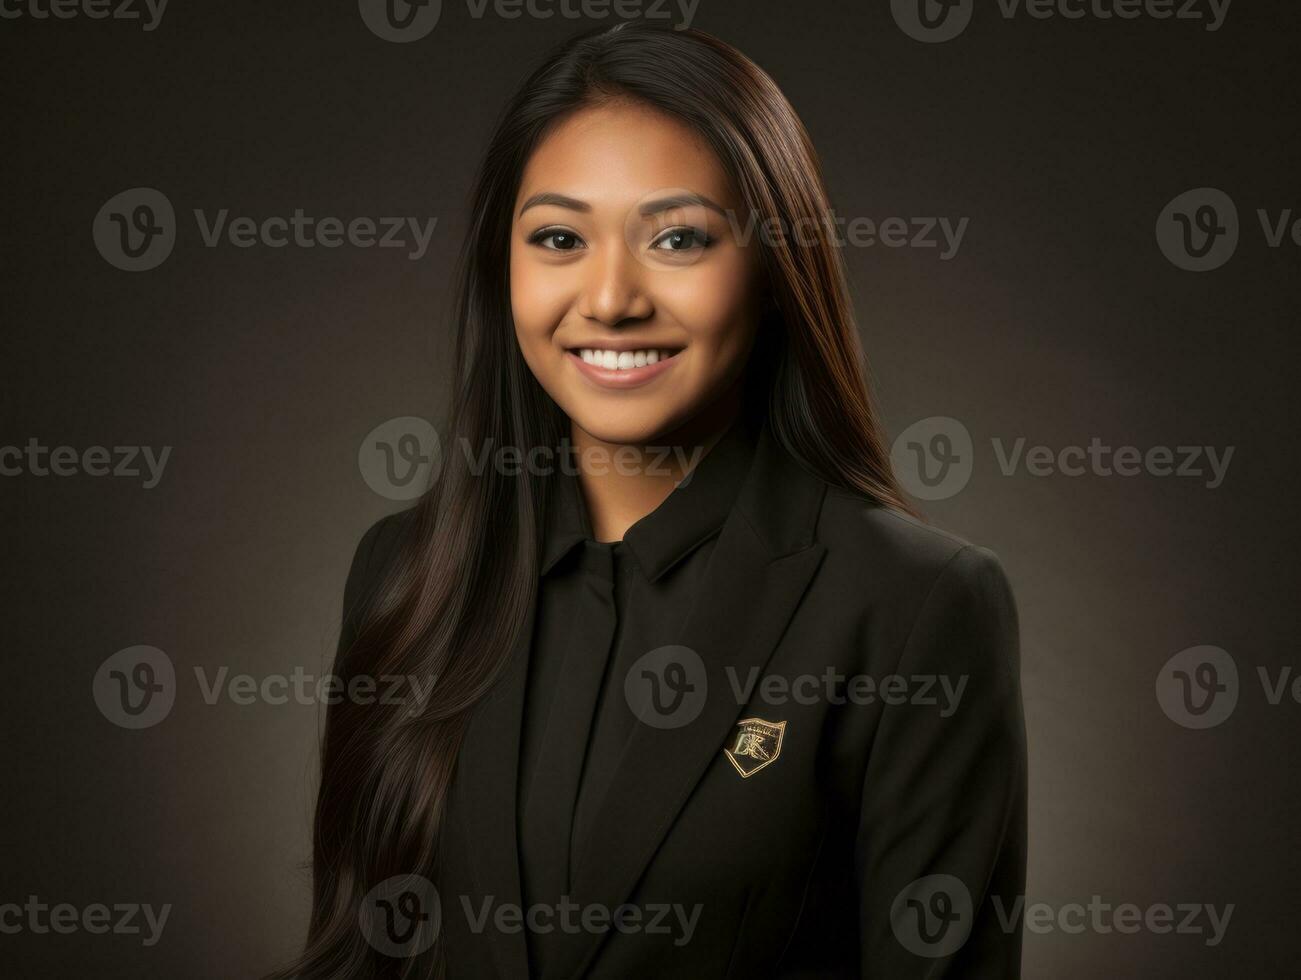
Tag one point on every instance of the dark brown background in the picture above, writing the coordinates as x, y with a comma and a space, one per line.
1059, 320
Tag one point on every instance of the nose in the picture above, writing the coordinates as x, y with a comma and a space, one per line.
613, 291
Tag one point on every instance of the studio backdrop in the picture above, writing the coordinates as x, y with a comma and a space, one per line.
1073, 233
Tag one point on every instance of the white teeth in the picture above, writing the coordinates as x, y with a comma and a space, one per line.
624, 360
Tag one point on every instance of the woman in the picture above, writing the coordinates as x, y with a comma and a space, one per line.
703, 700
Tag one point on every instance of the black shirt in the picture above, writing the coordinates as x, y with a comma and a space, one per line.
601, 606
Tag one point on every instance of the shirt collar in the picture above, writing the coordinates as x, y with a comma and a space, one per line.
689, 516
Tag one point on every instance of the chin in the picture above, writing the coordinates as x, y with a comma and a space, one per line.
638, 428
625, 434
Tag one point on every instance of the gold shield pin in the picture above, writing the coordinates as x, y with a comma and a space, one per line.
756, 744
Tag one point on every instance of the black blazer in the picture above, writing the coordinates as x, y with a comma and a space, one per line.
878, 840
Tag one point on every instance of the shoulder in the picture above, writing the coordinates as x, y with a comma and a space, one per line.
860, 529
880, 557
927, 600
381, 540
376, 550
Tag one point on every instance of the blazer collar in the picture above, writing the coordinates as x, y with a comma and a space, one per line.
764, 559
694, 512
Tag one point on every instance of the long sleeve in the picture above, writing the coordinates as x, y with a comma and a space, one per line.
941, 847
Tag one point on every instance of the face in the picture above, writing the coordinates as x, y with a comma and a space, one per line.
634, 304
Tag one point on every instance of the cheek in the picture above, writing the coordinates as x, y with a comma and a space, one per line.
715, 303
540, 296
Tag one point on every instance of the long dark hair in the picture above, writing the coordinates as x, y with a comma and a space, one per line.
473, 539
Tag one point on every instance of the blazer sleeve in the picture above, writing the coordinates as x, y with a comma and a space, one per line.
941, 846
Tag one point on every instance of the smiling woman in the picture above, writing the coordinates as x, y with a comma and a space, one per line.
609, 746
634, 305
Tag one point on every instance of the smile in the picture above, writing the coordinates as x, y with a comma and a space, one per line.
623, 368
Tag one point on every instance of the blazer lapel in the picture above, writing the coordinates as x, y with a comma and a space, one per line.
488, 770
764, 559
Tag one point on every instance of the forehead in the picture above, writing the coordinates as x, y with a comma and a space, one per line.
616, 153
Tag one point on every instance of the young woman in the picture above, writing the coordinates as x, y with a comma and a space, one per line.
703, 700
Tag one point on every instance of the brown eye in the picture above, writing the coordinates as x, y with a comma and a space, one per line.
681, 240
556, 240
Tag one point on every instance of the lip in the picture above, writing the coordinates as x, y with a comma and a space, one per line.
614, 378
623, 343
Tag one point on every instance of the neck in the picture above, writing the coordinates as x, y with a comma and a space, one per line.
622, 483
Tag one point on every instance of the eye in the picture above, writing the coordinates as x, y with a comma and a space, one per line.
682, 240
556, 240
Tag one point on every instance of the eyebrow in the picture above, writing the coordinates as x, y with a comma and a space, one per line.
647, 208
557, 200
